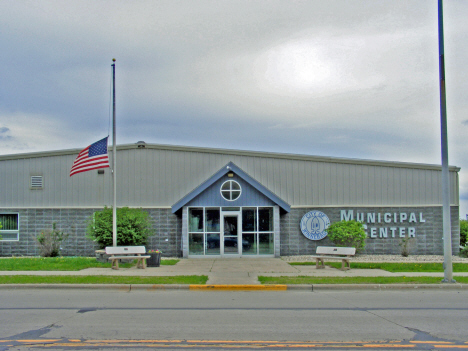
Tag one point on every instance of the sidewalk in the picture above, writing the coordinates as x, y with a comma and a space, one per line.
232, 271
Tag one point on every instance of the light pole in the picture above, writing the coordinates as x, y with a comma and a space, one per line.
448, 270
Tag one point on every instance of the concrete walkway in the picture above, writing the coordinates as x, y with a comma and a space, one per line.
231, 271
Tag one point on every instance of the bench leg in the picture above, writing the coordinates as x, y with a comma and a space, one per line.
345, 265
115, 264
319, 263
141, 263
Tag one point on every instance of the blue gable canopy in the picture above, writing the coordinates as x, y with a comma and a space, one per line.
263, 196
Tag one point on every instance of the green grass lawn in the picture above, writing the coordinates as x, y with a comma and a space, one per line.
56, 279
60, 263
394, 267
356, 280
170, 262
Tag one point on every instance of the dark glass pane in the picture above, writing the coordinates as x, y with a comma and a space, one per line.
230, 245
265, 244
226, 195
212, 220
249, 244
235, 186
212, 244
249, 219
9, 221
196, 244
230, 226
265, 219
196, 220
235, 194
226, 186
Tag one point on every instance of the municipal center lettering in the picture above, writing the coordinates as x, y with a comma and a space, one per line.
394, 224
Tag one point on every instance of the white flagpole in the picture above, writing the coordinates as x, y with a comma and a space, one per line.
114, 158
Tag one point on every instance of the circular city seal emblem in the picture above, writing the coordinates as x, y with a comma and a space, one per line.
314, 225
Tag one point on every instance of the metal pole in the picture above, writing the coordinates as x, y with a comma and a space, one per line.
114, 158
448, 269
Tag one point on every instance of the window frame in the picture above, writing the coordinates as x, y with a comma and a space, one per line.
7, 231
230, 191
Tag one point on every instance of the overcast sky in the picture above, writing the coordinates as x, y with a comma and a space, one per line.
343, 78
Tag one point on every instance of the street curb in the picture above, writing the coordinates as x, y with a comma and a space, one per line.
152, 287
122, 287
323, 287
239, 287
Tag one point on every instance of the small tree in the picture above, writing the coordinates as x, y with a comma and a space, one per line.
463, 232
348, 233
133, 227
50, 241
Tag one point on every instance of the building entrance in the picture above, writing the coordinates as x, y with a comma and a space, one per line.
230, 231
230, 235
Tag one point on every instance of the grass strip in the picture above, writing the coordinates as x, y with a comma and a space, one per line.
356, 280
60, 263
170, 262
394, 266
95, 279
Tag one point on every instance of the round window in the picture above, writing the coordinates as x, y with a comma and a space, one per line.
231, 190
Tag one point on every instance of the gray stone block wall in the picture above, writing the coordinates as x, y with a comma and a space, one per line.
166, 226
427, 241
32, 221
168, 231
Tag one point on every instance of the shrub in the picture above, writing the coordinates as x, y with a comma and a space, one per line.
405, 245
463, 232
348, 233
464, 252
133, 227
50, 241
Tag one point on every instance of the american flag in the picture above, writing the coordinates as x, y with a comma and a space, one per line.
93, 157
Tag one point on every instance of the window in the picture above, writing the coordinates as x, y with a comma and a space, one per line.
196, 220
36, 182
204, 231
205, 237
231, 190
257, 231
10, 226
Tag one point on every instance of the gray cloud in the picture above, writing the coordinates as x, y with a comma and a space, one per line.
354, 79
3, 134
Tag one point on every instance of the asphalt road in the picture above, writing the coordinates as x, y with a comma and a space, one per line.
83, 319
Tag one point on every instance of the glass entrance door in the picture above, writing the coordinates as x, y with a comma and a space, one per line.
230, 234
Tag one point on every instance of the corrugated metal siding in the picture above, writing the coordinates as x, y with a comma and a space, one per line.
161, 177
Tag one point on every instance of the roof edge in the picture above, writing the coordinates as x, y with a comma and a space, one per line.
264, 154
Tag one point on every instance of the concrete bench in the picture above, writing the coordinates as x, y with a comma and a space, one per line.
127, 252
334, 253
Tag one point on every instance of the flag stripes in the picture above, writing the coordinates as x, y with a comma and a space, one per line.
93, 157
